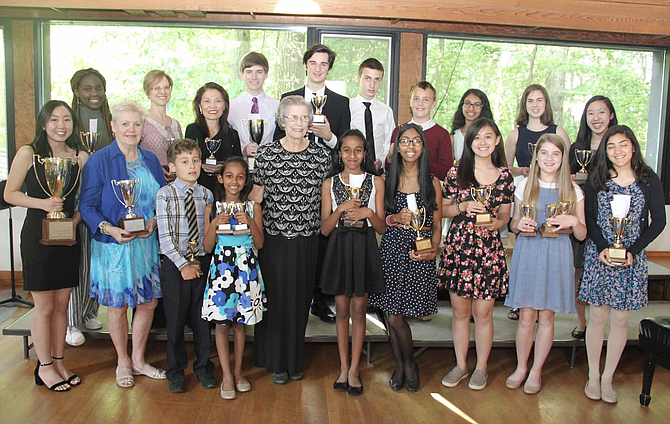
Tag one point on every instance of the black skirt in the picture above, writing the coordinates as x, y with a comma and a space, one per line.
352, 264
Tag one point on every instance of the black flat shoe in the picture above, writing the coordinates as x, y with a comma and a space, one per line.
280, 377
412, 385
340, 387
396, 385
355, 391
323, 311
579, 335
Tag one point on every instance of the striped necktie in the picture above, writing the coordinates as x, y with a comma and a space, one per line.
189, 206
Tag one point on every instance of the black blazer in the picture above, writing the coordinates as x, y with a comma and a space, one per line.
336, 110
230, 146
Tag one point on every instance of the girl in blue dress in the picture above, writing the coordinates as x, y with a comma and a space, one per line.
611, 289
235, 294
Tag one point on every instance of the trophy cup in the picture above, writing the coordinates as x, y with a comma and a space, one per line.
583, 158
212, 145
90, 140
481, 195
354, 193
420, 243
239, 229
256, 131
547, 230
224, 207
130, 193
192, 255
564, 208
617, 250
528, 211
57, 228
319, 102
531, 149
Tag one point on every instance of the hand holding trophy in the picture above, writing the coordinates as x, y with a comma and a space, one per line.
548, 230
620, 205
192, 255
57, 228
130, 195
528, 212
256, 129
213, 145
224, 208
481, 195
238, 227
319, 102
564, 208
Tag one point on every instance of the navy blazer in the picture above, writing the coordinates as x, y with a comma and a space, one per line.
336, 110
97, 201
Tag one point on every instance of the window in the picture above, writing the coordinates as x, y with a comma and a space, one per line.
192, 56
4, 151
632, 79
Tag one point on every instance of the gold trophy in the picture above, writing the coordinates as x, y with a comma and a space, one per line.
240, 229
130, 195
256, 131
224, 207
617, 250
481, 195
319, 102
528, 211
90, 140
547, 230
583, 158
531, 149
354, 193
564, 208
192, 255
57, 228
212, 145
420, 243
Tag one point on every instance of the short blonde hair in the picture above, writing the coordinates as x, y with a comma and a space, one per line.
153, 77
127, 105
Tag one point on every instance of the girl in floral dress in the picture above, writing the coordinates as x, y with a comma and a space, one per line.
611, 289
235, 293
472, 265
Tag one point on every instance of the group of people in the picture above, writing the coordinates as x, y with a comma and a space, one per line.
311, 211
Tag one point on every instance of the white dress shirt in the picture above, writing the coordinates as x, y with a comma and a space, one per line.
240, 108
382, 119
426, 125
320, 92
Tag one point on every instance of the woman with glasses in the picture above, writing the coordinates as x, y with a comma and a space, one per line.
159, 129
288, 175
473, 105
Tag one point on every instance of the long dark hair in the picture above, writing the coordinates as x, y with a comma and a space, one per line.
200, 118
368, 164
40, 144
602, 166
583, 140
458, 121
396, 169
466, 167
76, 102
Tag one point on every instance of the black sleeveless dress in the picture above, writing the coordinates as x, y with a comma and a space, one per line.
522, 154
47, 267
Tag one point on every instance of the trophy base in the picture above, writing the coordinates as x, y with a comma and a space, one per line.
422, 245
224, 229
211, 161
250, 162
135, 226
195, 264
618, 255
528, 233
581, 176
483, 220
58, 232
564, 231
319, 120
245, 232
351, 223
548, 231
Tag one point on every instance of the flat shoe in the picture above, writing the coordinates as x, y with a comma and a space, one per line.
228, 394
178, 385
478, 380
579, 335
455, 376
514, 384
124, 381
74, 337
340, 387
396, 385
243, 386
355, 391
609, 397
297, 376
412, 385
93, 324
593, 394
156, 374
280, 377
531, 389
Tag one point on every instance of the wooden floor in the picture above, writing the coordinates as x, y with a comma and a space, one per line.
314, 401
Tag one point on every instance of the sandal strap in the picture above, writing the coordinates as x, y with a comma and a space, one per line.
58, 359
46, 365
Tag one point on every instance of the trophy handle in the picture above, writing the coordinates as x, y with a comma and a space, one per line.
472, 193
75, 181
139, 192
423, 222
113, 182
41, 160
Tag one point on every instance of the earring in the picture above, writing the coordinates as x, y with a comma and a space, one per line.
364, 160
340, 159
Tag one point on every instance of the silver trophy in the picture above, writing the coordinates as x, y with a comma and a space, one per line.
213, 145
256, 132
130, 195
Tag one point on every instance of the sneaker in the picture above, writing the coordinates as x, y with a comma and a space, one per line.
74, 337
208, 381
454, 377
478, 380
93, 324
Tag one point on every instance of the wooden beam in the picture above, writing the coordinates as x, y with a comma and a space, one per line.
24, 82
411, 71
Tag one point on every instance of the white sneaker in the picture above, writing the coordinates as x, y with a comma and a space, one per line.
74, 337
93, 324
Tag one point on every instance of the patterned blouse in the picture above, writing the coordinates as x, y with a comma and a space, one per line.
292, 188
157, 137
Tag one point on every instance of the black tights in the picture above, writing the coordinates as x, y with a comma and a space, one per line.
403, 349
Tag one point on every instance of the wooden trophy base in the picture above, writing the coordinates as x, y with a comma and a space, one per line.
528, 233
581, 177
422, 245
136, 226
483, 220
211, 162
226, 229
352, 224
548, 231
195, 264
564, 231
241, 230
58, 232
618, 255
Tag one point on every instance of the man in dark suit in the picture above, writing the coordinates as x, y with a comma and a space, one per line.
318, 61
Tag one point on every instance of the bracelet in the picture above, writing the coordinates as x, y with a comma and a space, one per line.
458, 206
102, 226
389, 223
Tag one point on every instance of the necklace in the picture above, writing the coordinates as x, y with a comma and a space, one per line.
136, 162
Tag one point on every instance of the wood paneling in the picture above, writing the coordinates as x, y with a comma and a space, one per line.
411, 71
633, 16
24, 82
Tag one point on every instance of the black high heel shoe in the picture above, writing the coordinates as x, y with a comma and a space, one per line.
40, 382
74, 379
396, 385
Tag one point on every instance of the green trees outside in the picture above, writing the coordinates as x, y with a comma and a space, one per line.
571, 75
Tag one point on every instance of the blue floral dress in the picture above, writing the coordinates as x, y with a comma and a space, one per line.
127, 274
623, 287
235, 292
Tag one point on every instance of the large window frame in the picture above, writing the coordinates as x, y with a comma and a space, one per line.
9, 91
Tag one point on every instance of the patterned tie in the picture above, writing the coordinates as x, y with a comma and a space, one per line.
254, 105
189, 206
369, 131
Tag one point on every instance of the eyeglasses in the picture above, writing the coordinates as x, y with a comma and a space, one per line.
417, 142
162, 87
467, 104
294, 118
